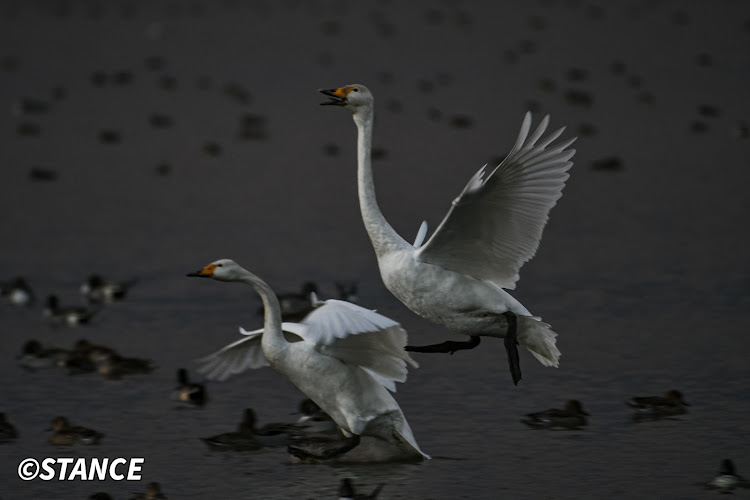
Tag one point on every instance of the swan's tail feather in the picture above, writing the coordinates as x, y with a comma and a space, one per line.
404, 437
539, 339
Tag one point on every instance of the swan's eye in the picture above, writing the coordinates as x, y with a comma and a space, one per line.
355, 90
219, 265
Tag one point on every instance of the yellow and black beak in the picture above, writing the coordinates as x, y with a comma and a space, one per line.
206, 272
337, 97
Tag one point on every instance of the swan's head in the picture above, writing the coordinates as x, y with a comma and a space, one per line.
222, 270
352, 97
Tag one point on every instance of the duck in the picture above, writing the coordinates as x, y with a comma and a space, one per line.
98, 291
17, 293
347, 290
249, 437
344, 357
459, 276
84, 356
243, 439
314, 421
347, 492
66, 316
34, 356
270, 434
572, 416
114, 366
189, 392
153, 492
8, 431
316, 449
296, 305
64, 434
727, 479
671, 404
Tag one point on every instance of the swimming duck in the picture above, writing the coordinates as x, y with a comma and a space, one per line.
66, 316
314, 421
114, 366
189, 392
727, 479
346, 491
153, 492
7, 431
83, 357
98, 291
672, 403
347, 291
243, 439
34, 356
571, 417
296, 305
314, 449
270, 434
17, 293
65, 434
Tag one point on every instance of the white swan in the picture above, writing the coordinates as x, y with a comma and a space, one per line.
345, 358
457, 277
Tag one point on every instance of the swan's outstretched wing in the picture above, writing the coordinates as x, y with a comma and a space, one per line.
237, 357
334, 319
380, 353
420, 235
360, 337
345, 331
496, 223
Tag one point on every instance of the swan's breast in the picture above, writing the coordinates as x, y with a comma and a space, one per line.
459, 302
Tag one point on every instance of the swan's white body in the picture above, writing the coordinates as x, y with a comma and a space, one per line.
457, 277
342, 356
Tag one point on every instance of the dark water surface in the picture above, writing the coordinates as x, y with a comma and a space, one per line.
643, 270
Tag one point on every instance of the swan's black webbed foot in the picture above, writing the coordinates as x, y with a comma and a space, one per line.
449, 346
510, 346
326, 454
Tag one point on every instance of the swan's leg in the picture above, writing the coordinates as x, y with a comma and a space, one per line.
449, 346
510, 346
347, 444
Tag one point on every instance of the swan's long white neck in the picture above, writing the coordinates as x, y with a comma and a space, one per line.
384, 238
273, 340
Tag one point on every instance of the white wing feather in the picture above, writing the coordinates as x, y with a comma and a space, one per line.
496, 223
360, 337
420, 235
239, 356
380, 353
342, 330
338, 318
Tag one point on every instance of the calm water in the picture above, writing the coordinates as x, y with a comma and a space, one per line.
643, 270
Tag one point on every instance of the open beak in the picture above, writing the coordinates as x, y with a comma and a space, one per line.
337, 97
206, 272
